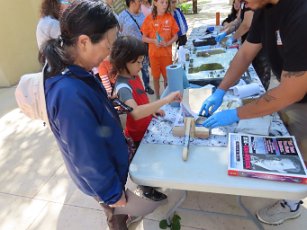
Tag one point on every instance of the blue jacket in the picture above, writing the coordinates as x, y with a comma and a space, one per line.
88, 133
181, 22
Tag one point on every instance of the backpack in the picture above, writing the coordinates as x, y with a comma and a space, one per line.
30, 96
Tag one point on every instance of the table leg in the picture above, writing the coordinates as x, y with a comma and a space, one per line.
249, 215
171, 212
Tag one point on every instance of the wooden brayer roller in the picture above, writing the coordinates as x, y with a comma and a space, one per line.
189, 130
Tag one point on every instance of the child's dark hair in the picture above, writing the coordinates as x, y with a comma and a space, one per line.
86, 17
154, 9
126, 49
50, 8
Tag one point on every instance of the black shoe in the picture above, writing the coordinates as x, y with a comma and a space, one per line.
149, 90
155, 195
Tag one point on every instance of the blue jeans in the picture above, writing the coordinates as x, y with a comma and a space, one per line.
145, 72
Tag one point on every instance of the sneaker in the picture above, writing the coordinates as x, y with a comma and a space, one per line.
149, 90
154, 195
133, 219
278, 213
150, 193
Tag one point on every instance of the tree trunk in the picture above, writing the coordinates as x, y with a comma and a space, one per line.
194, 6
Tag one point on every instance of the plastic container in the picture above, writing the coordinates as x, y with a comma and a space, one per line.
217, 18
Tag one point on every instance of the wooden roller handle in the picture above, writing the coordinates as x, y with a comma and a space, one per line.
186, 143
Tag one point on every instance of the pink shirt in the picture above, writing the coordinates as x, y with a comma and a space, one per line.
145, 10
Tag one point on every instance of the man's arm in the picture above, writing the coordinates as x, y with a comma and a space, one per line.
292, 88
239, 64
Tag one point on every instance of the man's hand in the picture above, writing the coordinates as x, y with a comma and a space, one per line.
212, 103
223, 118
230, 41
220, 36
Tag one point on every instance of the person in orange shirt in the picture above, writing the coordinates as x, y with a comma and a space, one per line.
160, 32
106, 77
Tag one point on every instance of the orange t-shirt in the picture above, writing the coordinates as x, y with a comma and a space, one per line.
166, 26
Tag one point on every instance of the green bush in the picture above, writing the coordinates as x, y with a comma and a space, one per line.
185, 7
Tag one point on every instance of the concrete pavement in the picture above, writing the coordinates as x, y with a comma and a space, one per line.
37, 193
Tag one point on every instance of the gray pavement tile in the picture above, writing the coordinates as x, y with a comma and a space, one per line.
66, 217
37, 193
18, 212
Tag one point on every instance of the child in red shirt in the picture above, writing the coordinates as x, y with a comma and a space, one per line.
126, 58
160, 32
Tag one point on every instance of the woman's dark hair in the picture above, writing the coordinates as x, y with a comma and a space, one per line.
50, 8
154, 9
232, 16
126, 49
86, 17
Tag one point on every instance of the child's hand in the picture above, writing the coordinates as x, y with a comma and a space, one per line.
159, 113
174, 97
157, 43
164, 44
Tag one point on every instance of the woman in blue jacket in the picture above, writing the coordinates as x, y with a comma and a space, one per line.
82, 119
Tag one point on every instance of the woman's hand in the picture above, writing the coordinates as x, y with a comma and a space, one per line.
122, 202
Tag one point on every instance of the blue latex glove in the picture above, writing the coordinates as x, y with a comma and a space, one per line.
223, 118
230, 41
212, 103
220, 37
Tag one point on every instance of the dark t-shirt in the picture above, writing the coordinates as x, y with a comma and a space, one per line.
282, 30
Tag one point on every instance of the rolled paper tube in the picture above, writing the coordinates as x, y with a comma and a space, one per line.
246, 90
185, 80
165, 92
175, 80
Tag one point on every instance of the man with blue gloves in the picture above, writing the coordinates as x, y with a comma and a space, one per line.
279, 27
219, 119
229, 40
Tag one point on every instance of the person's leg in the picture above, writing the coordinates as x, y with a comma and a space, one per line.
165, 61
155, 71
294, 118
262, 68
145, 76
115, 222
156, 81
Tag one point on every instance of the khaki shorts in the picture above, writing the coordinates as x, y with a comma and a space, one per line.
295, 118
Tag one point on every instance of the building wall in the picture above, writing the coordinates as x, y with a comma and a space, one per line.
18, 47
